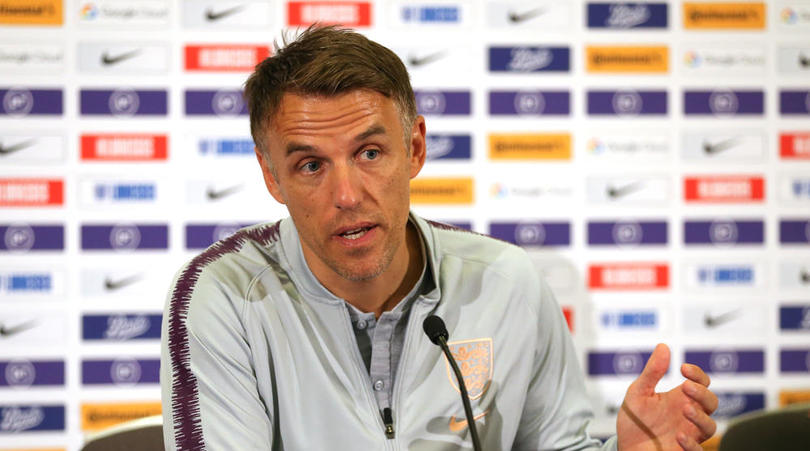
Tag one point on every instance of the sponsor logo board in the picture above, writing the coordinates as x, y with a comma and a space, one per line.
447, 146
794, 189
118, 13
724, 232
529, 103
727, 361
98, 192
122, 371
626, 146
223, 102
31, 192
723, 102
123, 102
542, 15
793, 60
632, 320
131, 58
425, 14
346, 13
20, 102
128, 147
702, 275
33, 328
623, 16
628, 276
627, 59
794, 318
98, 416
223, 147
792, 16
627, 102
31, 12
794, 146
788, 397
224, 57
724, 15
228, 14
124, 237
616, 363
628, 190
794, 275
530, 146
735, 403
515, 191
45, 148
24, 373
627, 233
529, 59
22, 237
443, 103
19, 281
733, 320
724, 189
442, 190
794, 360
40, 58
794, 231
718, 146
200, 236
700, 59
121, 327
527, 233
20, 418
794, 102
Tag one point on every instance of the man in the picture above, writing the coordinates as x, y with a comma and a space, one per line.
306, 333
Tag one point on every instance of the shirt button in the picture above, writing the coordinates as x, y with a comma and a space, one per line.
362, 324
379, 384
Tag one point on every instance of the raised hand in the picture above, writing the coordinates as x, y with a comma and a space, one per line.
677, 419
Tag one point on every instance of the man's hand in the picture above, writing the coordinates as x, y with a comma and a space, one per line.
677, 419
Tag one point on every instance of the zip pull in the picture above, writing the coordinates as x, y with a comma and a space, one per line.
389, 422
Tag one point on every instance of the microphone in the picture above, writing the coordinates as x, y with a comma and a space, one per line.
437, 333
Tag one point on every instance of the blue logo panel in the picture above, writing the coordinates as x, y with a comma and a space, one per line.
121, 327
31, 418
529, 59
727, 361
623, 16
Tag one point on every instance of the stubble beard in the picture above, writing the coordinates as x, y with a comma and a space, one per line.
352, 274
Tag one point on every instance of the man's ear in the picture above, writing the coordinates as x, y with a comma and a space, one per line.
269, 179
418, 146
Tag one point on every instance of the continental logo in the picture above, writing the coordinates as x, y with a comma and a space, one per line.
31, 12
788, 397
724, 16
98, 416
534, 146
442, 190
627, 59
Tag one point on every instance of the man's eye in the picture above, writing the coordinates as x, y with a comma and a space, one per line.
371, 154
311, 166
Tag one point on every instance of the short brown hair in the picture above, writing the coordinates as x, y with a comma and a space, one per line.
326, 61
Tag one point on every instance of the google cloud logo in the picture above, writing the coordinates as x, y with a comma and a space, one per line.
788, 16
89, 11
692, 59
595, 146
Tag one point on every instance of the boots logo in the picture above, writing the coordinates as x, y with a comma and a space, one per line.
121, 327
16, 419
474, 358
627, 16
529, 60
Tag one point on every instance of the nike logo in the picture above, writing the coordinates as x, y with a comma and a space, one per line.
716, 320
212, 16
516, 17
616, 193
108, 60
456, 425
112, 284
803, 60
804, 275
214, 194
5, 150
417, 61
6, 331
711, 149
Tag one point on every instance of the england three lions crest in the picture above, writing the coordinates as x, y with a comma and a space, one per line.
474, 359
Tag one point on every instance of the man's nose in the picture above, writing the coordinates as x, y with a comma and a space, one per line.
347, 187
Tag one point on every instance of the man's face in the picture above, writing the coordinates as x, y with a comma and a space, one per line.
343, 169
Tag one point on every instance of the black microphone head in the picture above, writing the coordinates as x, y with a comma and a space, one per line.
435, 329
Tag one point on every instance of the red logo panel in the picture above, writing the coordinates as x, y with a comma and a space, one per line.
124, 147
350, 14
794, 146
31, 192
225, 57
628, 276
731, 188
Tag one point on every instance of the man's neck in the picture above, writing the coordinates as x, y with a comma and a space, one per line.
384, 292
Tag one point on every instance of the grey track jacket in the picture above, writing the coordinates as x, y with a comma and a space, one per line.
258, 355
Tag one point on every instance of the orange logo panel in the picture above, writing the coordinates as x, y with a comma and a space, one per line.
530, 146
724, 16
31, 12
98, 416
624, 59
449, 190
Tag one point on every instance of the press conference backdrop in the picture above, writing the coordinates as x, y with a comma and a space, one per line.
653, 158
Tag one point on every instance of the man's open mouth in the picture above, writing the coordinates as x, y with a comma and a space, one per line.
354, 234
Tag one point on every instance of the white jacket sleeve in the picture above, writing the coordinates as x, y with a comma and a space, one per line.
209, 391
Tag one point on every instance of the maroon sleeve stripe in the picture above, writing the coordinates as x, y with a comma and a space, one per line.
188, 434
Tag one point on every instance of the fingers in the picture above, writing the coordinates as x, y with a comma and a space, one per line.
699, 418
694, 373
687, 443
701, 395
653, 371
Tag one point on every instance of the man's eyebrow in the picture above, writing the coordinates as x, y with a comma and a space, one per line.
371, 131
296, 147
